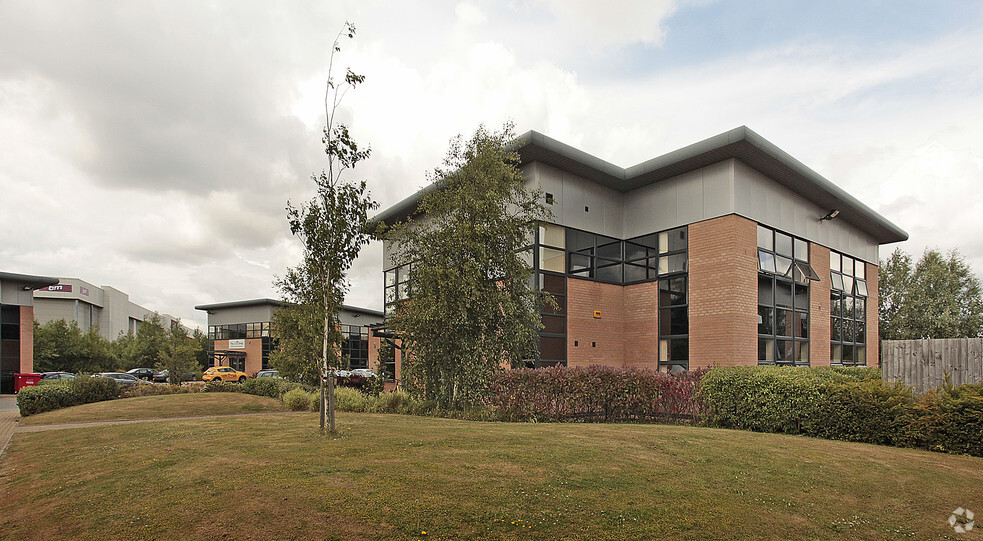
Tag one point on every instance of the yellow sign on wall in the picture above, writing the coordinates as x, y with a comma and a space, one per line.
597, 314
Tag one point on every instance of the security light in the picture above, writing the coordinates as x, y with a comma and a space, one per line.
830, 215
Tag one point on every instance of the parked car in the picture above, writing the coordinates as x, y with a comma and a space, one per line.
224, 373
143, 373
364, 372
121, 378
48, 376
268, 374
161, 377
338, 373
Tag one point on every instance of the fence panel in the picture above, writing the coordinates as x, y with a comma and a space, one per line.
925, 364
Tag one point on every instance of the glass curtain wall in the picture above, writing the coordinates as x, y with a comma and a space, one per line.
848, 311
784, 274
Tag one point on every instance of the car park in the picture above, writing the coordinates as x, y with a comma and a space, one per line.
268, 374
143, 373
224, 373
120, 377
162, 376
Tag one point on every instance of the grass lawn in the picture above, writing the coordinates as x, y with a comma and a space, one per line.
394, 477
149, 407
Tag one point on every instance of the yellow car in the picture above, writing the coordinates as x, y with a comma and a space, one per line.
223, 373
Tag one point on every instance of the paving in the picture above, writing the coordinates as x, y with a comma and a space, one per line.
8, 420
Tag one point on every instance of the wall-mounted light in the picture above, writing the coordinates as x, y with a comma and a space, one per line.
830, 215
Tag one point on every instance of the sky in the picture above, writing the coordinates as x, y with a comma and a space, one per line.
153, 146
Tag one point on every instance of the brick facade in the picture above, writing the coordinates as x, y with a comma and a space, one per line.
593, 340
26, 339
723, 292
873, 325
641, 334
253, 351
819, 324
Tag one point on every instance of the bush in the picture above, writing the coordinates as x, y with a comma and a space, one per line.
950, 420
153, 390
89, 390
300, 400
42, 398
223, 387
269, 387
400, 402
83, 390
595, 393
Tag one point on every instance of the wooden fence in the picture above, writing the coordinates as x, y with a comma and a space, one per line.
925, 364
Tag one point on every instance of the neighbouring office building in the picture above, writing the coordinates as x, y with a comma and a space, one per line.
239, 334
17, 324
725, 252
106, 308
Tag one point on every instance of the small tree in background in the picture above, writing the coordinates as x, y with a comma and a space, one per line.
472, 308
937, 297
332, 227
146, 348
180, 354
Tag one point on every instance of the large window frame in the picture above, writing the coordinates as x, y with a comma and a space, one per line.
784, 276
848, 310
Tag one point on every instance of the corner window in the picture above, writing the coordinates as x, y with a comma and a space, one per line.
848, 311
784, 275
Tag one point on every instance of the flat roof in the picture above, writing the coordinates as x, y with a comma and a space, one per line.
275, 302
740, 143
35, 282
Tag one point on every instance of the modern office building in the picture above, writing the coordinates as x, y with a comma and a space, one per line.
17, 324
106, 308
725, 252
239, 334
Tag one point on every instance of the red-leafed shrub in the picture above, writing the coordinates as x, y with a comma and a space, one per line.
596, 394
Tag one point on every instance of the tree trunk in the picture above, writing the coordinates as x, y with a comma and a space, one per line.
331, 405
324, 371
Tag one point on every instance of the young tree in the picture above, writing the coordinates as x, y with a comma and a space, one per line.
180, 354
472, 308
146, 348
333, 229
937, 297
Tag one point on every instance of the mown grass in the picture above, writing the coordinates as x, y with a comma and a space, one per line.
149, 407
394, 477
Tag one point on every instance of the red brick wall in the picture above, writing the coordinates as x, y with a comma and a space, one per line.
607, 332
819, 331
26, 339
641, 333
254, 354
873, 325
723, 292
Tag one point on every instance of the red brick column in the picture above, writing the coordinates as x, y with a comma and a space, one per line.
642, 325
26, 339
607, 332
819, 330
723, 292
873, 320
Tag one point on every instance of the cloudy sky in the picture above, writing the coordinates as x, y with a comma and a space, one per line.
153, 146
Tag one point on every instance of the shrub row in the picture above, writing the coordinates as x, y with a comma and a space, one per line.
42, 398
595, 393
850, 404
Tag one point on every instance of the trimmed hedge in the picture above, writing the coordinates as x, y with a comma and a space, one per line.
850, 404
595, 394
83, 390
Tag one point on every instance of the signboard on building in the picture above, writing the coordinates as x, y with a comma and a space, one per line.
85, 290
237, 344
61, 288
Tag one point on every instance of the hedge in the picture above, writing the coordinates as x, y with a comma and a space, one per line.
595, 394
850, 404
83, 390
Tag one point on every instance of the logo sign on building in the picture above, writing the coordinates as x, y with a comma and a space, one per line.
85, 290
237, 344
61, 288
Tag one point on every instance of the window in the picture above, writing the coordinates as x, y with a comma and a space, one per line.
355, 345
847, 311
397, 285
784, 274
